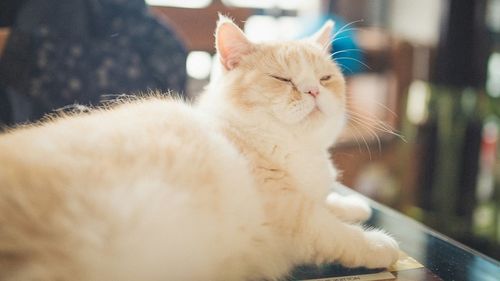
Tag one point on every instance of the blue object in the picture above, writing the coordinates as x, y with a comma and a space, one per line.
345, 49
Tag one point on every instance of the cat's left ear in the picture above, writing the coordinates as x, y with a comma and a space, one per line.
231, 43
323, 36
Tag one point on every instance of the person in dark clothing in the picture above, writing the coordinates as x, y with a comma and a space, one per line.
81, 51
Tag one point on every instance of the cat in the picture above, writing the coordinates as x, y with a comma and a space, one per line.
233, 187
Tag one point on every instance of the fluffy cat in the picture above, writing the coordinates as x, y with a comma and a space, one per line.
232, 188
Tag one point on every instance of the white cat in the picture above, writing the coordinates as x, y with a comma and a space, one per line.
233, 188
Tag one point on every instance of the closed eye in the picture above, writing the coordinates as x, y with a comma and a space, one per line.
325, 78
281, 78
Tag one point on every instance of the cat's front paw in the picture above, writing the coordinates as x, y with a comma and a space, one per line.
382, 250
373, 249
349, 208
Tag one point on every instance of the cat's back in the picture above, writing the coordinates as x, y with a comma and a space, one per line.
131, 135
129, 188
130, 123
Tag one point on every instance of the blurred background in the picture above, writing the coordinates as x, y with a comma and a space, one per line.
423, 84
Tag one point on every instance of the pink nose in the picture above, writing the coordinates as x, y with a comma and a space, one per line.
313, 91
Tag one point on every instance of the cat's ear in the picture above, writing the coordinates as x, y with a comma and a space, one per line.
323, 36
231, 43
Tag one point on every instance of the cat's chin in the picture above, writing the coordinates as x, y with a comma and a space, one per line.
309, 114
315, 114
321, 111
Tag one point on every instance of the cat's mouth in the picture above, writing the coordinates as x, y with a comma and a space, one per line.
316, 111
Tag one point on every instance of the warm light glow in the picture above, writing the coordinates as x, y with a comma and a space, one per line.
493, 82
267, 28
263, 4
180, 3
289, 27
418, 97
267, 4
290, 4
199, 64
260, 28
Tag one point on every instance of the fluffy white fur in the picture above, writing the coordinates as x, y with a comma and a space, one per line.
233, 188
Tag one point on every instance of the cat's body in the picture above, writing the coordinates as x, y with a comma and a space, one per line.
233, 188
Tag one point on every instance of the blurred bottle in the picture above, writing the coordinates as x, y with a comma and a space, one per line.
454, 164
486, 211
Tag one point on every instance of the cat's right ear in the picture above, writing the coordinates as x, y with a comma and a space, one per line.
323, 36
231, 43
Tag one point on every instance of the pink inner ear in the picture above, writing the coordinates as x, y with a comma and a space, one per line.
231, 44
233, 58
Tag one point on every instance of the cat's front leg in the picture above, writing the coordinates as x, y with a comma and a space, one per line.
351, 245
350, 208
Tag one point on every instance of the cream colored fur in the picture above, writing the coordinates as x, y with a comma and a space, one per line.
233, 188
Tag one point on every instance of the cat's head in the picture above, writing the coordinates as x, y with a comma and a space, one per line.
294, 83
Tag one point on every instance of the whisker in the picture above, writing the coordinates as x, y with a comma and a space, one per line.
367, 146
370, 130
365, 126
339, 38
341, 30
351, 101
347, 68
376, 124
335, 38
381, 126
357, 141
373, 125
355, 135
386, 108
347, 30
348, 58
345, 51
369, 119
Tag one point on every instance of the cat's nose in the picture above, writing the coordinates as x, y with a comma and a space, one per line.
313, 91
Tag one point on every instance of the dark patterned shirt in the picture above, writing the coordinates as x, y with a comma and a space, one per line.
81, 51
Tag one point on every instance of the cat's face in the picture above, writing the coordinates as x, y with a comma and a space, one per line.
295, 82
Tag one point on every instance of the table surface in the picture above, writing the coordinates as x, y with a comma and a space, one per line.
442, 257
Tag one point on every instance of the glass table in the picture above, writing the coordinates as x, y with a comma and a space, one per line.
437, 256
